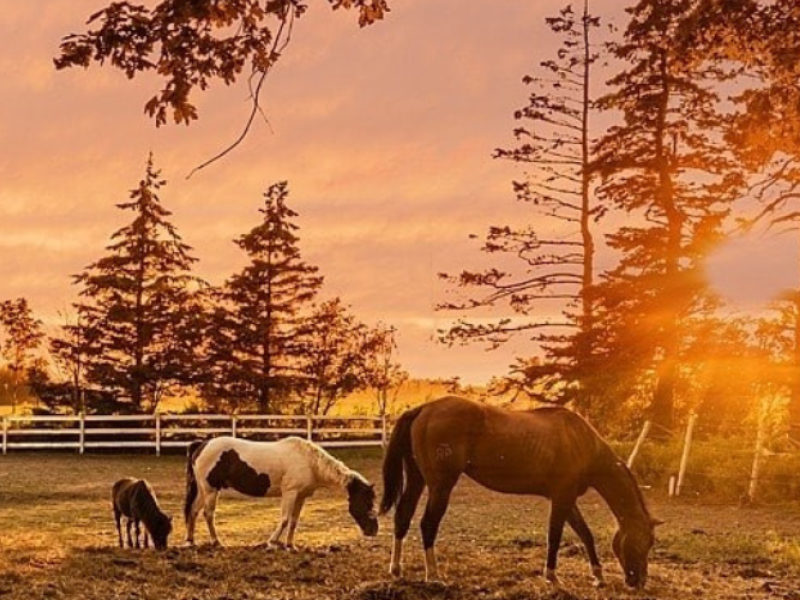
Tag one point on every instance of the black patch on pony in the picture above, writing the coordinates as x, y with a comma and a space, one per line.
232, 472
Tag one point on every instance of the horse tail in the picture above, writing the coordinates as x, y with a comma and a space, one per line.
191, 479
398, 452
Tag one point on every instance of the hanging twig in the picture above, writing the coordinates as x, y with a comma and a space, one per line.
287, 24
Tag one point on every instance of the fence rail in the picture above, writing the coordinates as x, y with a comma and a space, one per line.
157, 431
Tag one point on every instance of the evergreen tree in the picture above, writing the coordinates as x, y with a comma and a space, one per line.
138, 324
258, 327
557, 255
665, 166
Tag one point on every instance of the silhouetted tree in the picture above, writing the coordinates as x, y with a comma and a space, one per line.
257, 327
765, 128
383, 373
335, 354
666, 166
557, 254
138, 322
22, 335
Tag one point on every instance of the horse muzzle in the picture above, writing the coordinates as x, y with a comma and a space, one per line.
635, 581
370, 528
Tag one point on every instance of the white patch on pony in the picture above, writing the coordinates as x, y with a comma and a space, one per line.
431, 567
396, 566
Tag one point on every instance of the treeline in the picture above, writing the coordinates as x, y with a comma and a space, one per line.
645, 146
145, 326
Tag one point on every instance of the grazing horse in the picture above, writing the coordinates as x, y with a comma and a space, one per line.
293, 468
135, 499
548, 452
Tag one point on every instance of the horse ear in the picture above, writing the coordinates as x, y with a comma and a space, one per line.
656, 522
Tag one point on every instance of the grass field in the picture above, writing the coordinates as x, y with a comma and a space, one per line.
57, 540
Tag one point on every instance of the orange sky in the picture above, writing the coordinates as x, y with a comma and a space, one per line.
385, 135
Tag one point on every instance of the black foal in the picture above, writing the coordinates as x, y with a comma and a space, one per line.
135, 499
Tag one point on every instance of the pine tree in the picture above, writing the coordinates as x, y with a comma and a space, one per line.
557, 255
257, 327
665, 166
138, 322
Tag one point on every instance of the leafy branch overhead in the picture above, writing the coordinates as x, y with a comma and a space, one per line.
190, 44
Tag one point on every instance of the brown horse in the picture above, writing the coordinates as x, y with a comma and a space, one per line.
548, 452
135, 499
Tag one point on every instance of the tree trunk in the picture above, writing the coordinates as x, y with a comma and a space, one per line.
585, 335
662, 408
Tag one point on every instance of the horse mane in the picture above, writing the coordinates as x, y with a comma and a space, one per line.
326, 467
152, 515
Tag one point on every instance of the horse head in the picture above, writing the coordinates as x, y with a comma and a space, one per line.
631, 546
161, 528
361, 499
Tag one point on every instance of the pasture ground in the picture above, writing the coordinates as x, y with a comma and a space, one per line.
57, 540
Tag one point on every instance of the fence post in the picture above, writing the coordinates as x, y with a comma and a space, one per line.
758, 458
310, 428
639, 442
687, 444
158, 433
233, 425
384, 436
82, 434
5, 435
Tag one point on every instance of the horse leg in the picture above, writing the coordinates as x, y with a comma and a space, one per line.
128, 525
293, 519
194, 512
146, 539
403, 515
579, 526
209, 506
438, 499
137, 531
559, 511
117, 519
288, 501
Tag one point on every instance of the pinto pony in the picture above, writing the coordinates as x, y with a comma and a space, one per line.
548, 452
135, 499
293, 468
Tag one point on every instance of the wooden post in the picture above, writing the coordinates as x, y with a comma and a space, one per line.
384, 433
5, 435
82, 434
158, 433
671, 486
639, 441
233, 425
687, 444
758, 458
310, 428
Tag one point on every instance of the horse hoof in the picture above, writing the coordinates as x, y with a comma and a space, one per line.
435, 584
599, 583
396, 571
551, 577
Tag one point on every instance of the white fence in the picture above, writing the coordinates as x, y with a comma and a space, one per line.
85, 432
